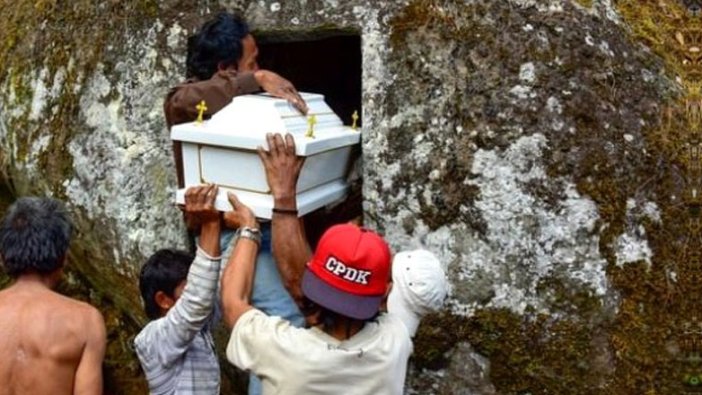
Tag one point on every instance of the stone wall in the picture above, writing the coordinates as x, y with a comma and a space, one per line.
523, 141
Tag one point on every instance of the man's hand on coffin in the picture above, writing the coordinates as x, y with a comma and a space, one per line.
282, 165
240, 214
280, 87
200, 203
231, 220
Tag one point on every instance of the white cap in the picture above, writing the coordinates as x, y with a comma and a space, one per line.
419, 287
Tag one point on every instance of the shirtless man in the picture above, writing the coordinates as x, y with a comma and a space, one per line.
49, 344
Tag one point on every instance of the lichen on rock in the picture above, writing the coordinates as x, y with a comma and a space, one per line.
522, 141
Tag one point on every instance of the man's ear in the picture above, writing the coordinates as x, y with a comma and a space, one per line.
163, 301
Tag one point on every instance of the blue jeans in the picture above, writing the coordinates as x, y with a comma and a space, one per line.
268, 294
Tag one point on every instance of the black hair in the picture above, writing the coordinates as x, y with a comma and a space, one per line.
328, 319
34, 236
217, 42
163, 271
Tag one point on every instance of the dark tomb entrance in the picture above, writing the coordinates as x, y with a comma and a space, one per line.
329, 63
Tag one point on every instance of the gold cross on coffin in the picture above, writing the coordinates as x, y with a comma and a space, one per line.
201, 108
311, 121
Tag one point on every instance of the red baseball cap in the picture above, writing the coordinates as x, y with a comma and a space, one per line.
349, 271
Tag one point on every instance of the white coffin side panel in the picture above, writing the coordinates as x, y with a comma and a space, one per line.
233, 168
243, 169
324, 167
191, 164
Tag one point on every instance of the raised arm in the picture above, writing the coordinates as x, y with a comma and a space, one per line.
166, 339
191, 311
237, 279
88, 379
290, 248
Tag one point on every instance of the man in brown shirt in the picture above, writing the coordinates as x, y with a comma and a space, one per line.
221, 64
49, 344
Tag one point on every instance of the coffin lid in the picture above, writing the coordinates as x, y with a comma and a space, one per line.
244, 123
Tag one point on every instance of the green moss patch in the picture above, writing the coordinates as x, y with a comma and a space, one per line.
601, 99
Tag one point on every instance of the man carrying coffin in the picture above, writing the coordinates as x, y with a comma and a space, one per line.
222, 64
352, 345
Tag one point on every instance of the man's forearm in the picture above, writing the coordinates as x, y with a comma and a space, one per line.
194, 305
209, 238
237, 280
290, 248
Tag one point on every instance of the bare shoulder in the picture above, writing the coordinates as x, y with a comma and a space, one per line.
78, 317
50, 324
96, 321
85, 313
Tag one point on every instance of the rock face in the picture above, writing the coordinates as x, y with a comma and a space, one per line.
544, 149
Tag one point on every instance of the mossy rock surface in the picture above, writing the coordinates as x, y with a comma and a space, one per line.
526, 142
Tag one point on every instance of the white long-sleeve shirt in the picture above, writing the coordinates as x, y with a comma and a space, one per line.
177, 351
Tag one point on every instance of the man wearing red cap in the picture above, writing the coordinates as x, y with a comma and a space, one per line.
353, 348
350, 346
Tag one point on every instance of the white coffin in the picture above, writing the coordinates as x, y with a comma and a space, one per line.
222, 150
